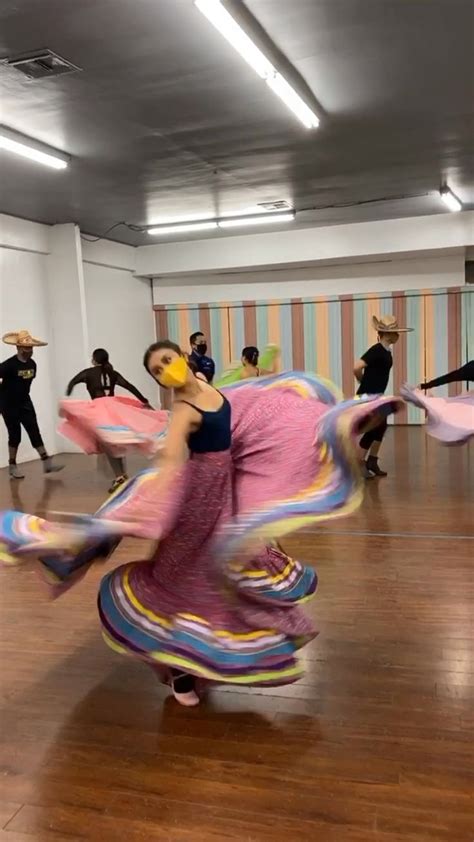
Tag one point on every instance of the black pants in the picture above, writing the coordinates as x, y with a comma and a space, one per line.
370, 436
15, 418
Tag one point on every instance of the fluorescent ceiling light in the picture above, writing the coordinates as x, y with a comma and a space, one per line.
452, 201
235, 35
183, 228
225, 222
19, 148
261, 219
292, 100
238, 38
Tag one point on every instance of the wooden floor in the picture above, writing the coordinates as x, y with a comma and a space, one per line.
373, 745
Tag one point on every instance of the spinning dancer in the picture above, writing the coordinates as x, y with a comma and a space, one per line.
101, 380
215, 601
204, 365
460, 375
372, 372
16, 375
252, 364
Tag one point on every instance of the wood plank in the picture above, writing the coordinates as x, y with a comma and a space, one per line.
7, 810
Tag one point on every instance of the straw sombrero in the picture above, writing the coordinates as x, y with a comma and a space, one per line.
388, 324
22, 339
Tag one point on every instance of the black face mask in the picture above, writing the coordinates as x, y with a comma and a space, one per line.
201, 348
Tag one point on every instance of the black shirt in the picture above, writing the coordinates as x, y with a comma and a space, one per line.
378, 362
205, 365
17, 377
101, 383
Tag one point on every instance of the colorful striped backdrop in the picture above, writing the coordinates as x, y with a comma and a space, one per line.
326, 335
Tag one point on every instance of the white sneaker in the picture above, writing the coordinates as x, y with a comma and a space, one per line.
50, 467
15, 472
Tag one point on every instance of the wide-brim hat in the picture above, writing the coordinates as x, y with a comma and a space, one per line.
388, 324
22, 339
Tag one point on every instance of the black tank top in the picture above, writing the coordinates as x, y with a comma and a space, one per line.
213, 435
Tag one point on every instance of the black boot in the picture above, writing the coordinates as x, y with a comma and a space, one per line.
373, 467
364, 470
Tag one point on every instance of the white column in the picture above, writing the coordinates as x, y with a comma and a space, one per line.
67, 305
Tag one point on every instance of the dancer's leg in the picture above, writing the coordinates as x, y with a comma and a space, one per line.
371, 443
117, 464
30, 422
118, 467
12, 423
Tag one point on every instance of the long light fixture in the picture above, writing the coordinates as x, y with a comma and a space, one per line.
225, 222
183, 228
14, 142
454, 204
261, 219
223, 21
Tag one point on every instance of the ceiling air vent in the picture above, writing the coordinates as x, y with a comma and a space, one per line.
281, 204
43, 64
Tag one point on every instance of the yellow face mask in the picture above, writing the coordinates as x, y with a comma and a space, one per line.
175, 374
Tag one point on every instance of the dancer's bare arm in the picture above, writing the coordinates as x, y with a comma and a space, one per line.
359, 369
173, 456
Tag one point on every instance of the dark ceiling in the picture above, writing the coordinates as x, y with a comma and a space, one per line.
166, 120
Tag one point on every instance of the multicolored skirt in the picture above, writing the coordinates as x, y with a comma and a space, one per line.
183, 609
224, 638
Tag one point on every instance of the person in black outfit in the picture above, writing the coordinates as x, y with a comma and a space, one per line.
101, 380
16, 375
372, 372
200, 361
463, 374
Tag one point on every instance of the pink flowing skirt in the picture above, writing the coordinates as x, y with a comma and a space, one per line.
451, 420
112, 425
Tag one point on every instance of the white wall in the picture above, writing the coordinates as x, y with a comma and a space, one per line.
303, 245
384, 276
23, 234
120, 319
77, 295
24, 306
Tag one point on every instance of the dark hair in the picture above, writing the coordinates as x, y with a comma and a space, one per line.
160, 346
194, 336
101, 357
250, 354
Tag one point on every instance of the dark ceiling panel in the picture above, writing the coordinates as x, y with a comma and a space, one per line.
166, 120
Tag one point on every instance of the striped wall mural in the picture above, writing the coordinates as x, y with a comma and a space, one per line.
326, 335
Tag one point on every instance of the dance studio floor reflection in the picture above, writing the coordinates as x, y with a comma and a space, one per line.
373, 745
